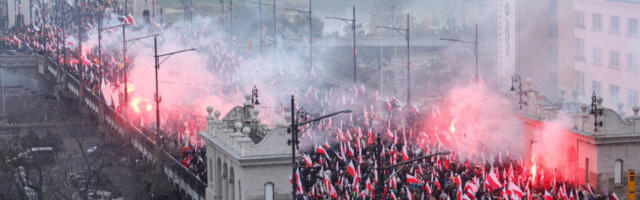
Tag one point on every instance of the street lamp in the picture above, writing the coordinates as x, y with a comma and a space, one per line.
294, 138
475, 48
353, 27
274, 21
157, 66
406, 31
516, 81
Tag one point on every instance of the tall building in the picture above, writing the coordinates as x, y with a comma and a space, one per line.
606, 52
535, 41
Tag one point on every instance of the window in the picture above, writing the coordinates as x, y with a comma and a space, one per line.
579, 49
596, 22
597, 56
268, 191
614, 93
596, 88
614, 24
632, 26
586, 170
632, 62
617, 172
614, 59
579, 78
632, 97
579, 21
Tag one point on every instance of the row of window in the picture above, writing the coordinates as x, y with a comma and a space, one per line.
614, 90
614, 23
633, 62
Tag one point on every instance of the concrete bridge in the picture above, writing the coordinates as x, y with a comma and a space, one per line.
40, 75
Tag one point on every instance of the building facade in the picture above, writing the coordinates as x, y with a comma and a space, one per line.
607, 52
543, 43
600, 158
246, 159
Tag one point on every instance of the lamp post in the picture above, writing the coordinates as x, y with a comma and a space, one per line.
157, 57
407, 32
352, 21
516, 81
474, 49
293, 129
260, 3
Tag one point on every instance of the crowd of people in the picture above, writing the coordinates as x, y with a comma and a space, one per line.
368, 155
193, 158
361, 157
54, 34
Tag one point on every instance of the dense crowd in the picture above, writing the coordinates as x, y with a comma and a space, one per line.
193, 158
345, 161
52, 34
340, 160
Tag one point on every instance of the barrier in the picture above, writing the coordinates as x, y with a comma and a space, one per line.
144, 143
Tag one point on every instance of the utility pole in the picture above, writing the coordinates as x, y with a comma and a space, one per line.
406, 31
124, 64
308, 12
352, 22
310, 40
475, 52
262, 24
260, 13
293, 129
156, 67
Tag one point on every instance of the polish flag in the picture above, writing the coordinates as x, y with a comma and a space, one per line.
405, 156
409, 194
299, 182
493, 181
515, 190
589, 189
321, 150
613, 196
370, 187
393, 196
412, 179
437, 184
307, 160
351, 170
547, 196
427, 189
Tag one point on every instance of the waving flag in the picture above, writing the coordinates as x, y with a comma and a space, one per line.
351, 170
405, 156
493, 181
307, 160
412, 179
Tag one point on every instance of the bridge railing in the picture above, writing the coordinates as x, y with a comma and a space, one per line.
143, 141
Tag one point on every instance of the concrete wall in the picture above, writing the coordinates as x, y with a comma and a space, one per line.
608, 154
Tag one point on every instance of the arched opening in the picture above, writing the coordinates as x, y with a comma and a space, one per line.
232, 193
219, 178
268, 191
225, 176
586, 170
617, 172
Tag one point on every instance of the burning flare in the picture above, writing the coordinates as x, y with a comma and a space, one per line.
533, 173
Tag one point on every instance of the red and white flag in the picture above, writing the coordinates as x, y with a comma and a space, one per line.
493, 181
412, 179
351, 170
